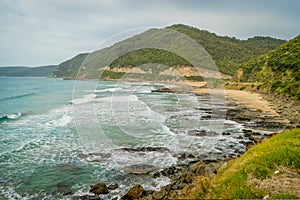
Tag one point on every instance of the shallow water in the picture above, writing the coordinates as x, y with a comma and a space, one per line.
48, 127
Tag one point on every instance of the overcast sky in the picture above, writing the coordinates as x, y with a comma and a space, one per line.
42, 32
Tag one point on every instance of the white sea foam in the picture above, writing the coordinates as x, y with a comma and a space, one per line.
9, 193
160, 182
14, 116
116, 99
48, 139
106, 90
63, 121
85, 99
121, 159
11, 116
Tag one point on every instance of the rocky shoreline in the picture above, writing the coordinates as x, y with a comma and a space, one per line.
287, 108
190, 170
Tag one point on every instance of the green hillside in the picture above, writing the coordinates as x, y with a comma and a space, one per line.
228, 53
115, 56
277, 71
70, 67
43, 71
142, 56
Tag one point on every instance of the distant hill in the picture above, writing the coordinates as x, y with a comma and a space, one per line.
70, 67
228, 53
277, 71
43, 71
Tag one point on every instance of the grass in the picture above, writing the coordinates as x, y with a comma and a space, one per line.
259, 162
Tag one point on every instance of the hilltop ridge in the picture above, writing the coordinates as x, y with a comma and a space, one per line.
227, 52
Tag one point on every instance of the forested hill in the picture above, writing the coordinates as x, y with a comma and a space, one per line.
277, 71
228, 53
44, 71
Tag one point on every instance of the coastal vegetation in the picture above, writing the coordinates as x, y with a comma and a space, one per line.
263, 64
69, 67
228, 53
142, 56
277, 71
270, 168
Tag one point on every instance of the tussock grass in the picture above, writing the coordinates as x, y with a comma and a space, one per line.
259, 163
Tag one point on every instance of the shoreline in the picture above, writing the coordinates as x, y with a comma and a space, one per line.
251, 100
245, 98
248, 105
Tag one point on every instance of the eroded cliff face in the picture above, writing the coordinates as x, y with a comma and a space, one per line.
182, 71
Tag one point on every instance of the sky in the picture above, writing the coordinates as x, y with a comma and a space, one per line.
37, 33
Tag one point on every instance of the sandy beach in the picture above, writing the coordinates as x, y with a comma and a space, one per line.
245, 98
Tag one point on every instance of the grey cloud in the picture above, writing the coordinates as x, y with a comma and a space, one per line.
47, 32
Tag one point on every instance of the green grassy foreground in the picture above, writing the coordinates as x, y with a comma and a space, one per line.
241, 178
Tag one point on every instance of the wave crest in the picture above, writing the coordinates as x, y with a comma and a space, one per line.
11, 116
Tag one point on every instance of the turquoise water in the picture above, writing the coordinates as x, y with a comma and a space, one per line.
58, 137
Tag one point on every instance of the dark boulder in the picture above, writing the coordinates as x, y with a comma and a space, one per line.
168, 90
186, 178
135, 192
170, 171
201, 133
99, 188
145, 149
113, 186
185, 156
162, 193
86, 197
202, 169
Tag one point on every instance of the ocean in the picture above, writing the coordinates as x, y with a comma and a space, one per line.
58, 137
